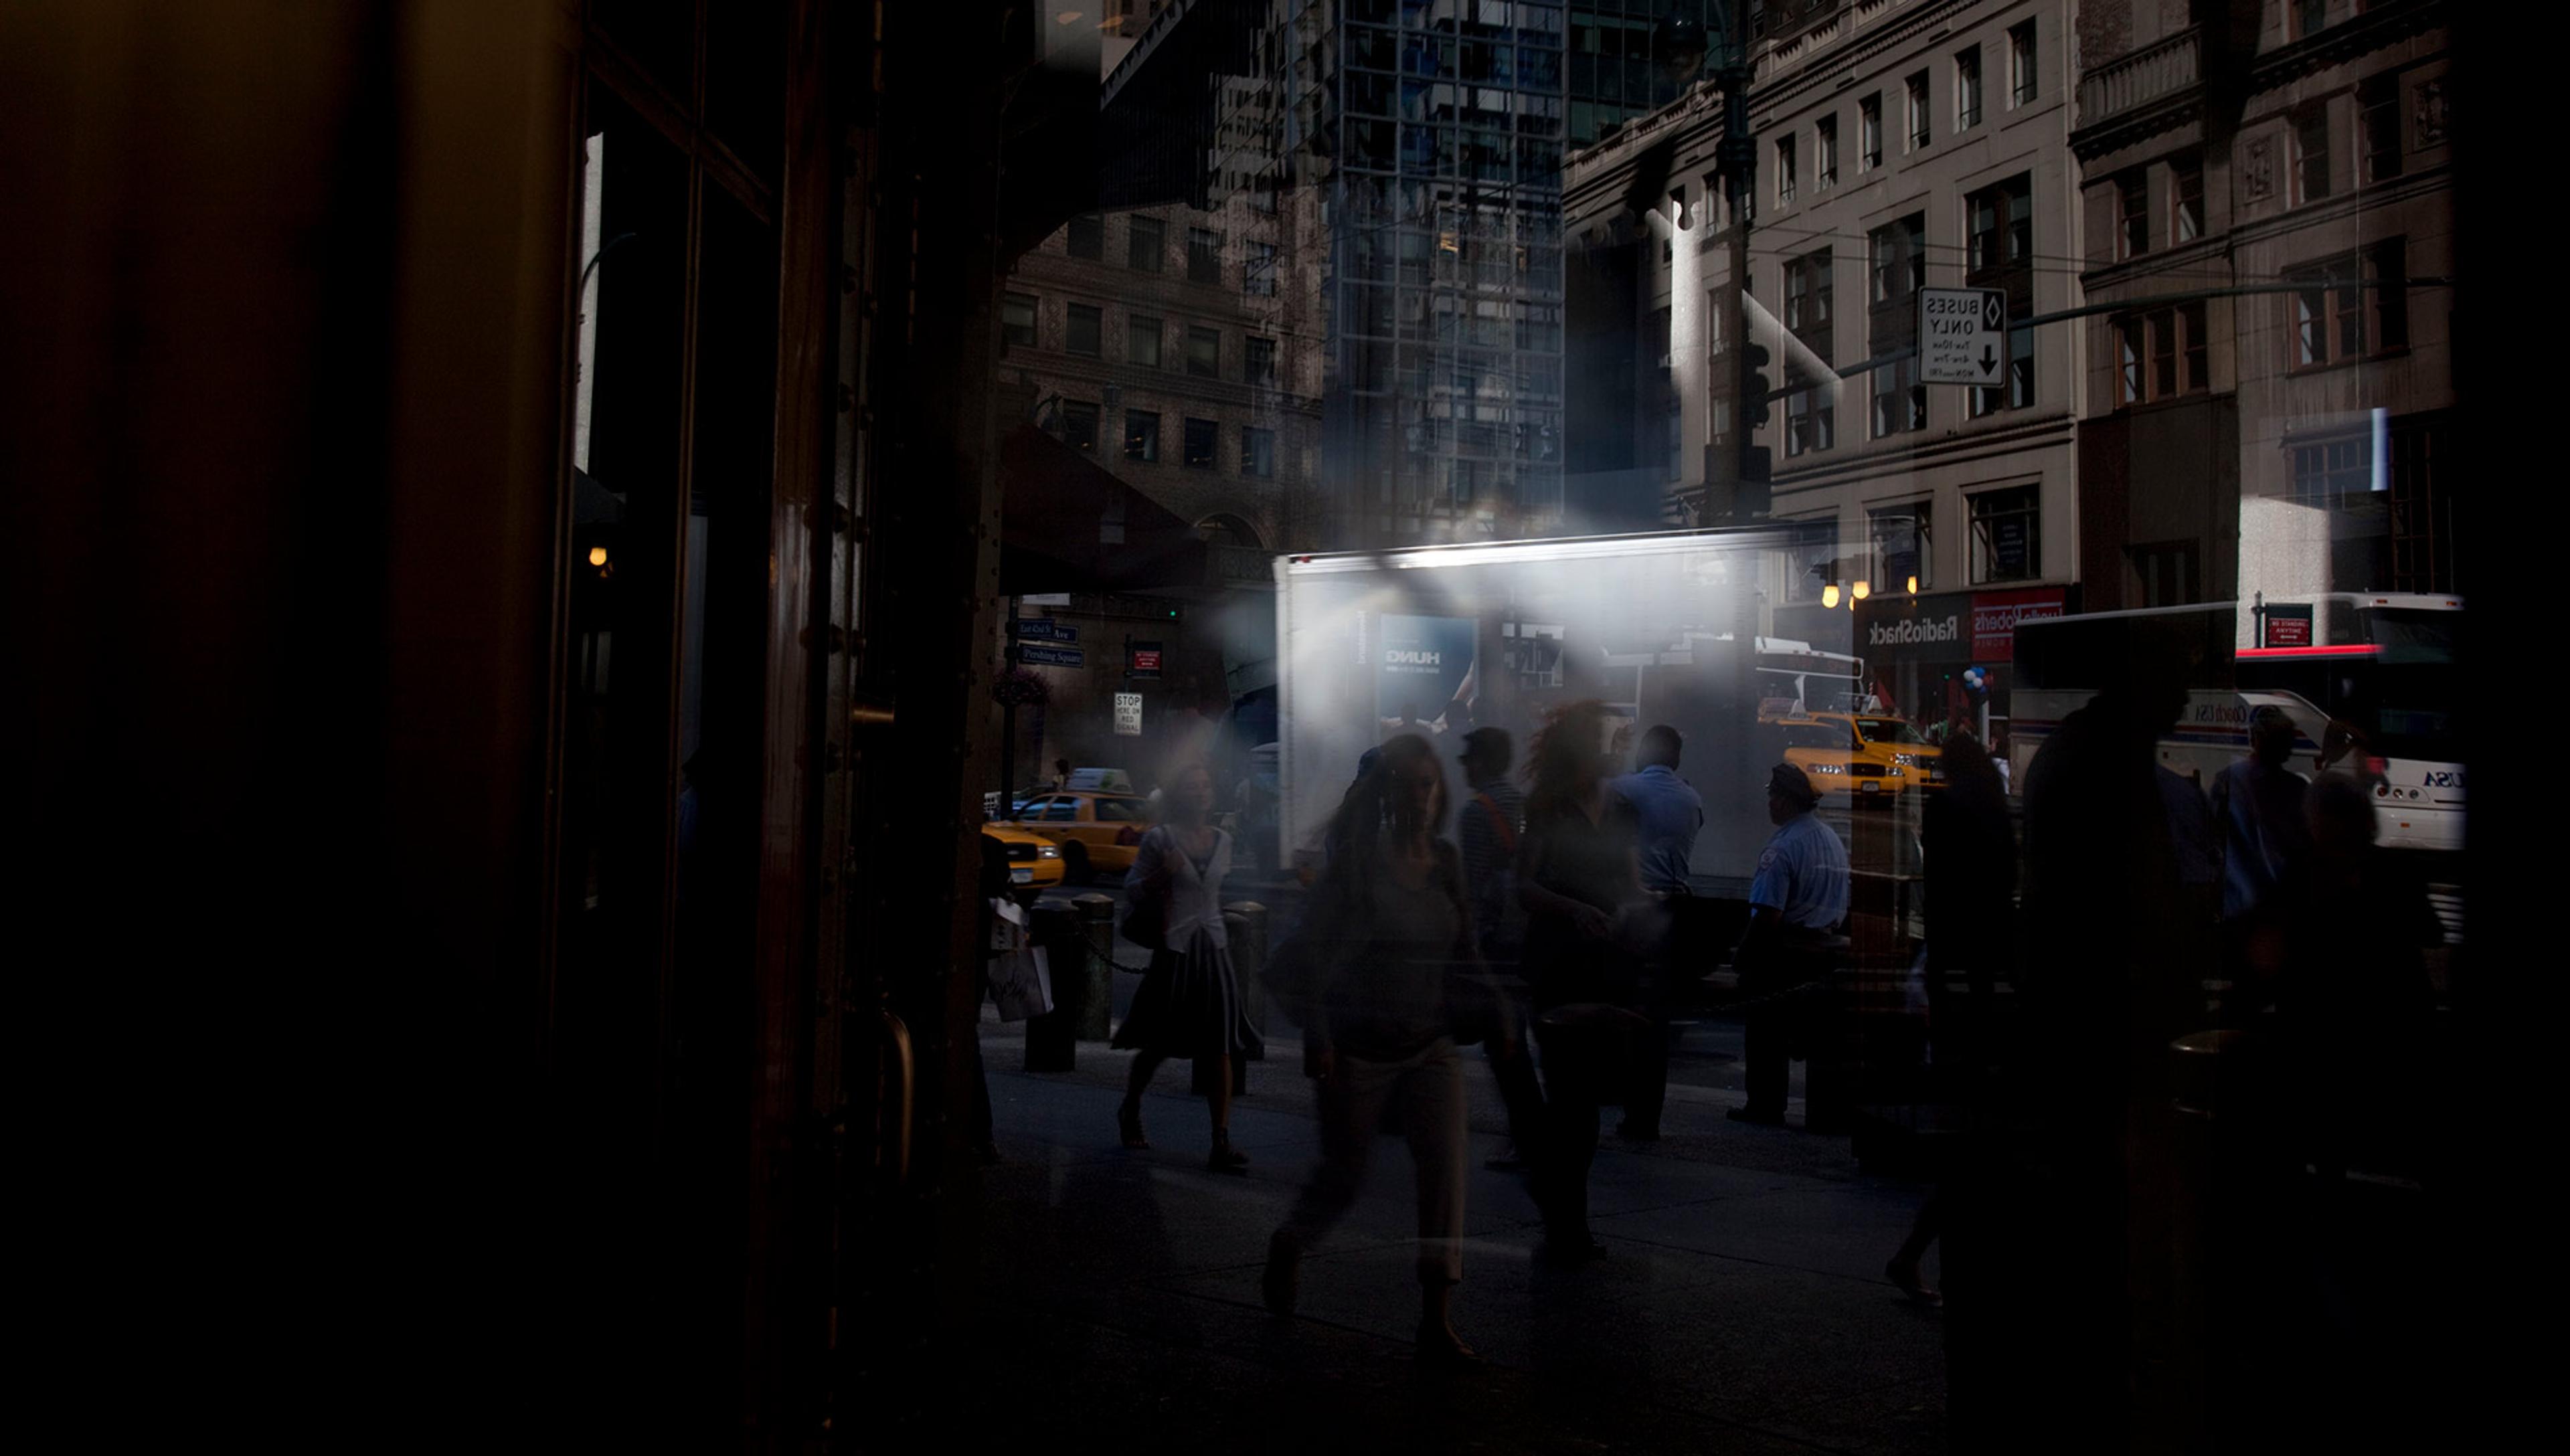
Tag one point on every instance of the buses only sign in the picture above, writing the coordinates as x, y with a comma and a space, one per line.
1962, 335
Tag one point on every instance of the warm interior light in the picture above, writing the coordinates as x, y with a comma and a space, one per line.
597, 555
1914, 586
1862, 590
1830, 594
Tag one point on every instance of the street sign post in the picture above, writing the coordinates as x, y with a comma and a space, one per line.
1128, 715
1963, 336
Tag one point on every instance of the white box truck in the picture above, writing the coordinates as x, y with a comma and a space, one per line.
1669, 627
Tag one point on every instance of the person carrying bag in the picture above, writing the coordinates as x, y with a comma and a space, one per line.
1190, 1004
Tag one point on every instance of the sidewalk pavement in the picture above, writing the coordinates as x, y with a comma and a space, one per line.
1742, 1306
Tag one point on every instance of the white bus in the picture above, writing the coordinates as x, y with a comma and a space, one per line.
2370, 680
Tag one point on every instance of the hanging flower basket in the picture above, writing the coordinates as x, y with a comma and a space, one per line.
1019, 687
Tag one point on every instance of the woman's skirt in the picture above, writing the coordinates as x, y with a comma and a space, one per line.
1189, 1005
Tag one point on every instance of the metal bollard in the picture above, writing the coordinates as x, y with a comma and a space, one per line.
1244, 923
1058, 927
1095, 969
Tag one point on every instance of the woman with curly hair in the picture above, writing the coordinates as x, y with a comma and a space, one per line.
1396, 971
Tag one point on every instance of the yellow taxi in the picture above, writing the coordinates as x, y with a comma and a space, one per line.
1097, 830
1034, 861
1861, 755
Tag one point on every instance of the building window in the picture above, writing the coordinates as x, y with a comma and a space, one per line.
1902, 558
1017, 319
1202, 438
2162, 354
1899, 398
2008, 540
1825, 153
1204, 351
1142, 435
1968, 87
1896, 267
1089, 237
2329, 470
1811, 559
1144, 245
1784, 172
2311, 154
1919, 125
1204, 255
1081, 335
2311, 17
2380, 100
2353, 307
2021, 63
1258, 362
1868, 128
2186, 199
1258, 270
1143, 342
1080, 425
2132, 213
2165, 574
1257, 451
1897, 259
1809, 294
2000, 222
1810, 421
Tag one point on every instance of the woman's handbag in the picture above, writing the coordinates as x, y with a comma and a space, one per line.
1021, 982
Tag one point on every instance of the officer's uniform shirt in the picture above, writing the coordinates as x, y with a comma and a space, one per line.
1802, 875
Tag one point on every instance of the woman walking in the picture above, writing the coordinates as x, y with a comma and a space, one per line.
1577, 871
1395, 968
1189, 1004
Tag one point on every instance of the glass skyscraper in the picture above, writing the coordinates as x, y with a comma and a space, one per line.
1435, 130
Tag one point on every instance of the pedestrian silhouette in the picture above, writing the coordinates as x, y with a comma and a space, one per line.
1189, 1002
1395, 971
1577, 875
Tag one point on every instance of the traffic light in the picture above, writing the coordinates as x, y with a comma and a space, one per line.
1754, 386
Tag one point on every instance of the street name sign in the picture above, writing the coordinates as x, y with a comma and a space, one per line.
1962, 335
1053, 656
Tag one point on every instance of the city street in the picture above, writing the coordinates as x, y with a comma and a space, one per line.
1742, 1305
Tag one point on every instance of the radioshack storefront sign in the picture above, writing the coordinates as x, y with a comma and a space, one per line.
1918, 635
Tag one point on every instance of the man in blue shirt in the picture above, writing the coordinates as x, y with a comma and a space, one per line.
1797, 901
1668, 814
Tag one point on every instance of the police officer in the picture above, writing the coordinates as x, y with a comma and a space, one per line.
1796, 903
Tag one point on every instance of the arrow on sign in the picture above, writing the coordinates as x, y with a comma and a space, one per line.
1989, 361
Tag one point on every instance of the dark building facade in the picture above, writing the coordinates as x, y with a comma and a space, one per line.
2267, 187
